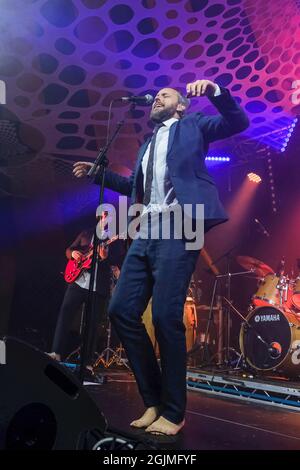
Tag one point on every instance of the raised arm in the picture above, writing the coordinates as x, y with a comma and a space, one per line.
232, 118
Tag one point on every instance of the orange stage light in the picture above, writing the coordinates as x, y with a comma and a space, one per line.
254, 178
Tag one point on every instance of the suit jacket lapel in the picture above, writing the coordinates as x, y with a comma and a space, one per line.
171, 136
138, 182
142, 152
140, 155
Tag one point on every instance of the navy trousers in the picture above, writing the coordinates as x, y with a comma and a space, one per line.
161, 269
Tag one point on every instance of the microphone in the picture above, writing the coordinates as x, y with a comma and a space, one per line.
147, 99
263, 228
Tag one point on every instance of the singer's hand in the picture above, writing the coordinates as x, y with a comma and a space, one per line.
80, 169
201, 88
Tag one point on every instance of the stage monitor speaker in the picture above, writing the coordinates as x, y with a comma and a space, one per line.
42, 405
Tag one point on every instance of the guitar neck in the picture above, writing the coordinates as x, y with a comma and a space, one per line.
106, 243
110, 240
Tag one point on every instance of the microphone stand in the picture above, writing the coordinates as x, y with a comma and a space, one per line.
228, 275
98, 168
218, 278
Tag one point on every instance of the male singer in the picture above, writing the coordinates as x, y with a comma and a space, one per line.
170, 170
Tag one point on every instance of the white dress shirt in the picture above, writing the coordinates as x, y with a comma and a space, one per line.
162, 191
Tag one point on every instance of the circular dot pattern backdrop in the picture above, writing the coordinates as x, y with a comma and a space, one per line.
63, 61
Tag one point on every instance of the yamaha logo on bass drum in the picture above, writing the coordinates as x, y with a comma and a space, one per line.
263, 318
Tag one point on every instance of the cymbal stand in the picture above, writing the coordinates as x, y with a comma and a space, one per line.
110, 356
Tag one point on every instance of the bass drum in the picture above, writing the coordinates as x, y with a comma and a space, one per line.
279, 347
189, 320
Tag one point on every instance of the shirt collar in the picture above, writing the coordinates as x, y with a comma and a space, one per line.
168, 123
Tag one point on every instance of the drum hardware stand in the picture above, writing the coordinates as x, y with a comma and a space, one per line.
110, 356
210, 319
283, 286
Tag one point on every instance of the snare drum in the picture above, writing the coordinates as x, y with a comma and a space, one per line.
272, 342
189, 320
267, 292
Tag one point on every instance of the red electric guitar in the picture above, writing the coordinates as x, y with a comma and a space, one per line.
75, 268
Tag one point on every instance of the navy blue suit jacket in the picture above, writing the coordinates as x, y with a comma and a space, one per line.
188, 143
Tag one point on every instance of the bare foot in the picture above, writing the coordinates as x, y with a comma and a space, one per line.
54, 356
164, 426
148, 418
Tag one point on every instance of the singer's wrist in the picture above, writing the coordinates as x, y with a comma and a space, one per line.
217, 90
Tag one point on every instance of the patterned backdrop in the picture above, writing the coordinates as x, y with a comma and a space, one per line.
63, 62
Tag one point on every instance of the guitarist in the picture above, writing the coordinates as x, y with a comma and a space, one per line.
109, 258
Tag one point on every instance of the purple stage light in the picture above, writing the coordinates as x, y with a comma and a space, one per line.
290, 130
211, 158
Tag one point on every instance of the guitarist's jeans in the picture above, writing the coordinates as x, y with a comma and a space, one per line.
161, 269
74, 298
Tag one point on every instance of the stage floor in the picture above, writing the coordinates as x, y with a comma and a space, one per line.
212, 423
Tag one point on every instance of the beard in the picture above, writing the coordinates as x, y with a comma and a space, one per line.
162, 114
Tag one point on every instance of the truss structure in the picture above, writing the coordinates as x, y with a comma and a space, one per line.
242, 386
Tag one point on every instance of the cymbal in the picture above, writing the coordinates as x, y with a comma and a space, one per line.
258, 267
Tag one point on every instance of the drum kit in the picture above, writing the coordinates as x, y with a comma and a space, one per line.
270, 335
